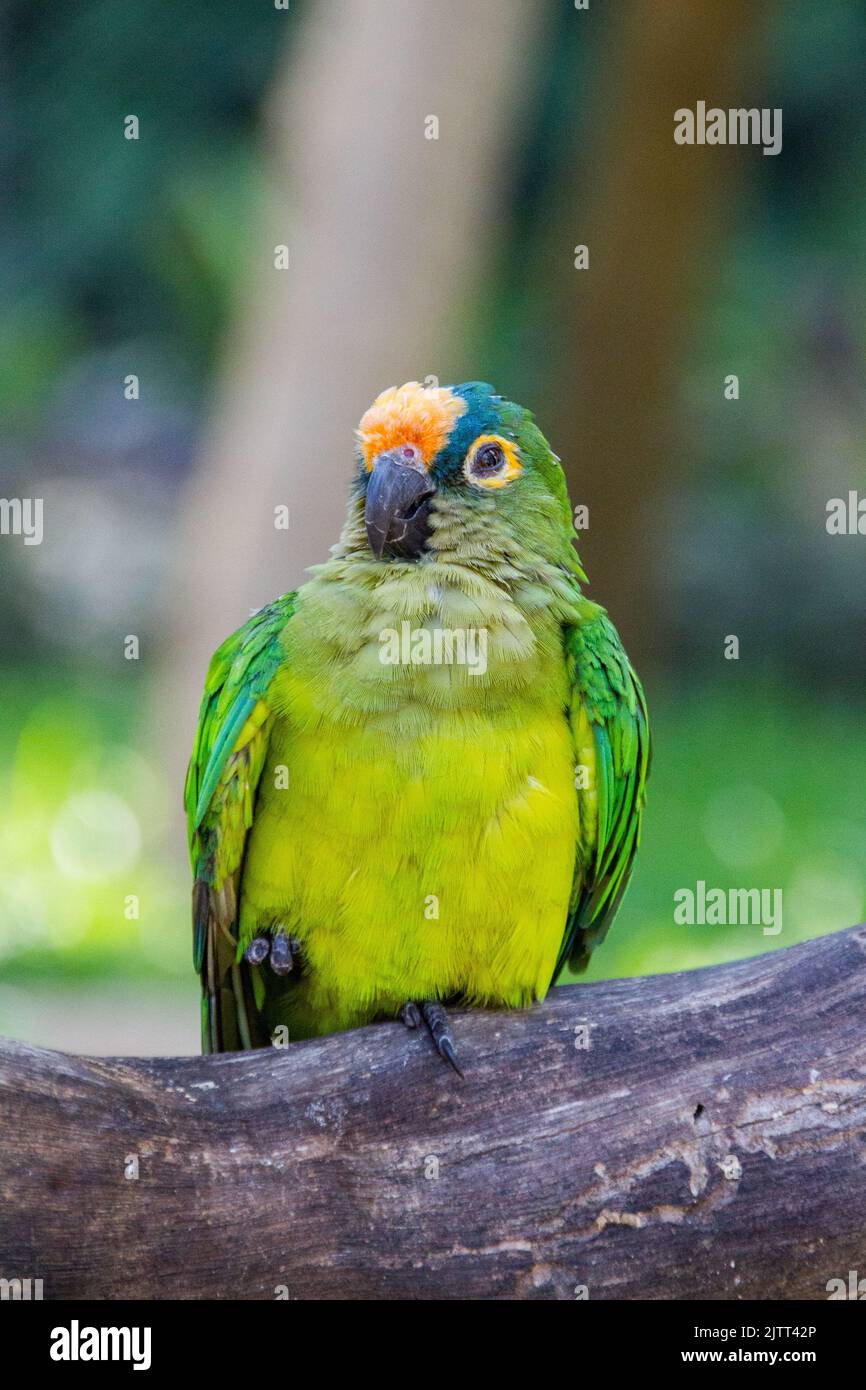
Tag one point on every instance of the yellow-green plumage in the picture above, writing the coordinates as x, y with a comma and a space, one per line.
422, 830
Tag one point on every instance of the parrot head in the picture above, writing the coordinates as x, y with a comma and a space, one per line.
458, 472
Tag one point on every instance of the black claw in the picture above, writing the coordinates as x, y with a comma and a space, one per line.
446, 1048
257, 950
411, 1015
437, 1021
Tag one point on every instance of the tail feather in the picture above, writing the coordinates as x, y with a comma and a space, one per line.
230, 1021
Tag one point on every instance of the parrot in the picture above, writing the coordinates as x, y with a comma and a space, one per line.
418, 780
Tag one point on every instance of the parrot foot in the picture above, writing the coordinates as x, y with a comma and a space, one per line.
436, 1018
411, 1015
284, 952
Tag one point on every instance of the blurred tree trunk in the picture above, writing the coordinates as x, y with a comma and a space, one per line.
387, 232
621, 326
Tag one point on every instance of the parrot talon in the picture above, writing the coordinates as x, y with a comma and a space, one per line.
283, 950
437, 1021
411, 1015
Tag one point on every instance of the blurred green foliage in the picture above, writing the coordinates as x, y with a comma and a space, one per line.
84, 892
115, 239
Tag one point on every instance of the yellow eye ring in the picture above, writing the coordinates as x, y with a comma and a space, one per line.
492, 461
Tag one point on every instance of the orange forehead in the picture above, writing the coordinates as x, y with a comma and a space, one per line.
410, 414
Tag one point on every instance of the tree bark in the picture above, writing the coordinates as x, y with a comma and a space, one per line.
708, 1143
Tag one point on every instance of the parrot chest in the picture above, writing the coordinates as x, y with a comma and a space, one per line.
419, 844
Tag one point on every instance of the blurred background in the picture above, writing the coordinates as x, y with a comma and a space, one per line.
417, 248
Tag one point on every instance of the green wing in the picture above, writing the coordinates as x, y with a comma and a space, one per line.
229, 752
609, 721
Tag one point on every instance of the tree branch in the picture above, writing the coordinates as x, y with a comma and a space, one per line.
709, 1143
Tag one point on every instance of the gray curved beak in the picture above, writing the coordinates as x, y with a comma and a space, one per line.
397, 507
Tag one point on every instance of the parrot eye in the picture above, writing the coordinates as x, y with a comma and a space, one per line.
492, 461
488, 459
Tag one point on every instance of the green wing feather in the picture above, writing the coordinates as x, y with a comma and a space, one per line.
607, 705
228, 755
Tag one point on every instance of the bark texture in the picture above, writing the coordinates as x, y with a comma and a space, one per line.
709, 1142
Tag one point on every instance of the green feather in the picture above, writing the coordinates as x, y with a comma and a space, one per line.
219, 794
606, 687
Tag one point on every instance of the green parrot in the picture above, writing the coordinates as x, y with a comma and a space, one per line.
419, 779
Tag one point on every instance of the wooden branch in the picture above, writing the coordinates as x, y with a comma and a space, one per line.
709, 1143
